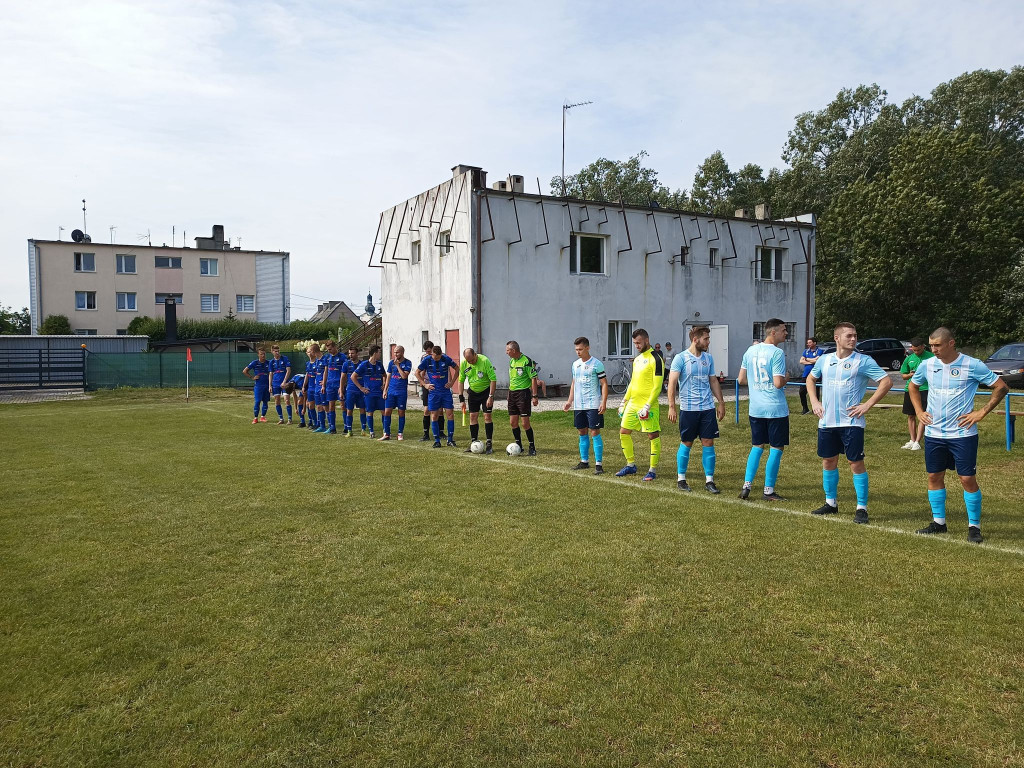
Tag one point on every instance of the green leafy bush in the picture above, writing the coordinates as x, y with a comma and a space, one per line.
55, 325
212, 329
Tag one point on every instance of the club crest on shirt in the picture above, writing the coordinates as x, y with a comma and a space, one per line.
519, 371
847, 366
954, 371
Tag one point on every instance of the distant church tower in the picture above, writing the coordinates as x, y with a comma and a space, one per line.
369, 305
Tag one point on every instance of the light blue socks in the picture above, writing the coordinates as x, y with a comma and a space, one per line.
753, 462
860, 486
937, 500
771, 467
585, 448
973, 503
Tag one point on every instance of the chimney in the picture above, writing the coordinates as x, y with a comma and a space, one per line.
742, 213
762, 211
517, 184
170, 319
214, 243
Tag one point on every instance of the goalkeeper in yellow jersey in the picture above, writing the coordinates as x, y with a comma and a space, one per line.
639, 409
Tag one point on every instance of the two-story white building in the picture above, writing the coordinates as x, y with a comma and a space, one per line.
465, 264
101, 287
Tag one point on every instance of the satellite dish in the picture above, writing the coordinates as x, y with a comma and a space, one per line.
78, 236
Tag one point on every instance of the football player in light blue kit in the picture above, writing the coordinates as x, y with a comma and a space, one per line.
588, 397
763, 370
369, 378
844, 376
280, 372
396, 392
951, 425
693, 375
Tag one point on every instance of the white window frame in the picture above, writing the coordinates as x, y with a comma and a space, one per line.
621, 351
131, 301
120, 260
445, 241
173, 262
209, 299
86, 332
415, 252
86, 295
179, 298
574, 249
713, 260
775, 258
207, 263
240, 303
80, 261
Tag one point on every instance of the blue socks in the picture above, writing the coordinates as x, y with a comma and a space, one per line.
362, 421
369, 421
401, 424
860, 486
289, 410
753, 462
386, 418
332, 420
830, 482
451, 429
937, 501
585, 448
707, 458
771, 467
598, 448
280, 413
435, 428
682, 459
973, 503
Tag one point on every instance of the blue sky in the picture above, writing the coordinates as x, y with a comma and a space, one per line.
295, 124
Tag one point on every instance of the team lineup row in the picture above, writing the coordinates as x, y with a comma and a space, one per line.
695, 398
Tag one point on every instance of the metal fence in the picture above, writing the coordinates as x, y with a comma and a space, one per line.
41, 368
167, 369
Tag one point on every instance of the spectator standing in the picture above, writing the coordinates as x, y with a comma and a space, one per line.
807, 360
918, 354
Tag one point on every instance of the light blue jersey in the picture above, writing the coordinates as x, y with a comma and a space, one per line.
843, 384
951, 391
762, 362
586, 380
694, 380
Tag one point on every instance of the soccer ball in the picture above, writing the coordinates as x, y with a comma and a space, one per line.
513, 449
476, 446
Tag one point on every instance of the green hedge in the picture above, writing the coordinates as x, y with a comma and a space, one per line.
212, 329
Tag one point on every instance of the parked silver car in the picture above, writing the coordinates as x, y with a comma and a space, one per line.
1008, 362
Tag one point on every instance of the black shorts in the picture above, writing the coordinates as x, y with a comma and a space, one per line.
775, 432
957, 453
694, 424
908, 407
424, 394
848, 441
588, 419
478, 401
520, 402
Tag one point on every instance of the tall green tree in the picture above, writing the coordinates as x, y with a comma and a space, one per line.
13, 322
613, 180
713, 185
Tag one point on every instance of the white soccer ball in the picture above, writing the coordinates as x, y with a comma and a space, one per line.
513, 449
476, 446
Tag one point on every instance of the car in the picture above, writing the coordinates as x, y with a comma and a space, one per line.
1008, 362
888, 353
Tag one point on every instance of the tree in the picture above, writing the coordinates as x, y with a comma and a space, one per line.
55, 325
612, 180
12, 322
713, 185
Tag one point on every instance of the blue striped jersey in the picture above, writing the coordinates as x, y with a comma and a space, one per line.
694, 380
951, 391
586, 380
843, 384
762, 362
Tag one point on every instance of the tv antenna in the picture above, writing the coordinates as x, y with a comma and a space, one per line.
59, 230
84, 228
565, 109
113, 229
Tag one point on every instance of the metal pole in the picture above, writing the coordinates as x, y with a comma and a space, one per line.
563, 149
1008, 396
736, 399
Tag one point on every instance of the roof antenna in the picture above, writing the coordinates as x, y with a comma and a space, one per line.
84, 228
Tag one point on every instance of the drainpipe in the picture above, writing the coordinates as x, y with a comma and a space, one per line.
477, 257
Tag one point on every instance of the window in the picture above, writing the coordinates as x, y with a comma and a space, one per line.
209, 302
586, 255
415, 252
768, 265
122, 331
446, 242
125, 264
245, 303
207, 267
85, 299
85, 332
759, 332
712, 257
161, 298
168, 262
85, 262
620, 338
126, 302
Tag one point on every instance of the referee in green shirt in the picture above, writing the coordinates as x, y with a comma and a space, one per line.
477, 382
918, 354
522, 393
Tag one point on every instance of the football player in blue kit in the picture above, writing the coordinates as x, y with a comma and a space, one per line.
334, 379
437, 374
369, 378
319, 374
308, 388
353, 395
297, 396
396, 392
259, 371
280, 372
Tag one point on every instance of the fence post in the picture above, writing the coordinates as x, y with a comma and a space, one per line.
1008, 396
228, 356
40, 367
736, 399
85, 368
161, 354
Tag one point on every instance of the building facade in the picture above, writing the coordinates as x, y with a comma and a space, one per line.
101, 288
465, 264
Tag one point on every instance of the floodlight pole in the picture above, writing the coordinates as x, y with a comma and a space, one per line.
566, 108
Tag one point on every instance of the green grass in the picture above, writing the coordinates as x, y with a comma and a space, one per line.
182, 588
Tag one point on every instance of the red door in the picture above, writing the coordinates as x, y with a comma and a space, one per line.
451, 344
392, 351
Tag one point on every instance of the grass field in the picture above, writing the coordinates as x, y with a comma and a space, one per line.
183, 588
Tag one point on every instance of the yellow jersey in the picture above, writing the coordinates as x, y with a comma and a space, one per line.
648, 375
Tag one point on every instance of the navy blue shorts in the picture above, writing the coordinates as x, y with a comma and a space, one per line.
588, 419
694, 424
331, 393
397, 400
354, 399
261, 394
374, 402
775, 432
956, 453
440, 399
848, 441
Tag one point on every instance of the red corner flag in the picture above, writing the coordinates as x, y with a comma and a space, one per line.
188, 354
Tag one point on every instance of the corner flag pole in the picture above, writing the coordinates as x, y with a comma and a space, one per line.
188, 359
